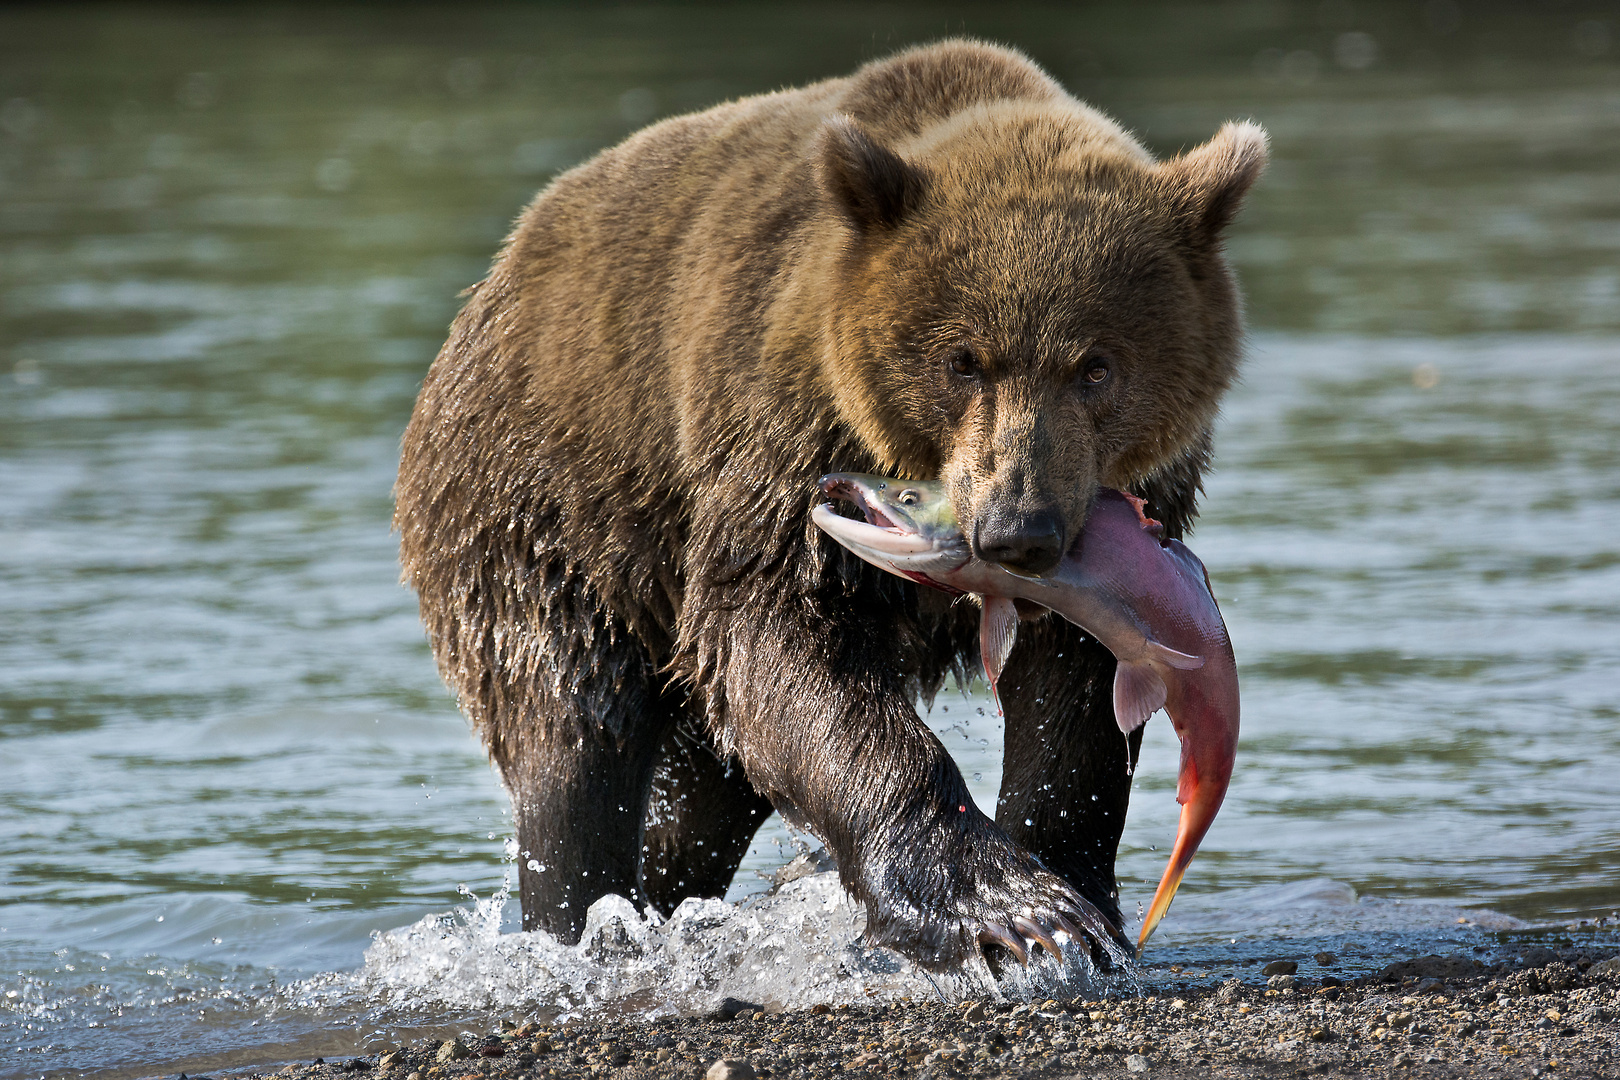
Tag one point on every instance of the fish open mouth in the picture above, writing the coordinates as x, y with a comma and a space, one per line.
847, 489
884, 537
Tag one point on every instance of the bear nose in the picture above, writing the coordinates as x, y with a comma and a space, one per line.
1031, 543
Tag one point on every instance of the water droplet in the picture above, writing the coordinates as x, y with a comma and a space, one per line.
1029, 821
1094, 798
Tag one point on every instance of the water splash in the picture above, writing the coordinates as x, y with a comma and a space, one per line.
796, 946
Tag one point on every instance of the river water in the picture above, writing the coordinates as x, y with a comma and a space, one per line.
230, 242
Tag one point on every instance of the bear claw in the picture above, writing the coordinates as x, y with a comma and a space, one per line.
992, 934
1069, 926
1033, 930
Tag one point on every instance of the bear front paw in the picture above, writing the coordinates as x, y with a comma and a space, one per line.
1013, 903
1031, 907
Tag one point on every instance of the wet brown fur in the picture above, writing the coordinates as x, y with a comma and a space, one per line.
604, 492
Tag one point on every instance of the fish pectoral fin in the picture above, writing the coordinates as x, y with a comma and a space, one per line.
1138, 694
998, 631
1167, 656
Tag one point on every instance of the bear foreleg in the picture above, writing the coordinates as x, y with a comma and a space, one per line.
1066, 771
821, 714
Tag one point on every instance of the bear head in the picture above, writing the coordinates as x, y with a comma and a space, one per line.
1027, 305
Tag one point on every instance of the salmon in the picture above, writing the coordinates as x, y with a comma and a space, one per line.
1145, 598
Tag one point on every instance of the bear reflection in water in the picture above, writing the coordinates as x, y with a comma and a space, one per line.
942, 265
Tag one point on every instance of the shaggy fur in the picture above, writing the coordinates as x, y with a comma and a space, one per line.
943, 265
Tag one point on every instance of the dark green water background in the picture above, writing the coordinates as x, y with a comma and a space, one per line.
231, 239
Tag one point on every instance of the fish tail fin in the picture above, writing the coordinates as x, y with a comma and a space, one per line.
1139, 692
998, 631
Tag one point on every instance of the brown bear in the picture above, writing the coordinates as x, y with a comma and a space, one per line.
941, 266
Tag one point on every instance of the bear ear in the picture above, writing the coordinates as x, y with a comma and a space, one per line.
1210, 181
872, 186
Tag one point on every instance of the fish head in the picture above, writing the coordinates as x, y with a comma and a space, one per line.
907, 527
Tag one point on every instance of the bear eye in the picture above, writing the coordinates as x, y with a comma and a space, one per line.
909, 498
1096, 371
964, 363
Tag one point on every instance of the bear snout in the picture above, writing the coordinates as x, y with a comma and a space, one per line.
1032, 542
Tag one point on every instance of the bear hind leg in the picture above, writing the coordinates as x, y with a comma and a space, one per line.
701, 817
580, 771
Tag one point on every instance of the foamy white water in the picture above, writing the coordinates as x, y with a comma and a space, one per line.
796, 946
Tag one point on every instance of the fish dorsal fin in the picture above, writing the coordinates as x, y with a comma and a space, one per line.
1138, 694
1139, 504
1167, 656
998, 630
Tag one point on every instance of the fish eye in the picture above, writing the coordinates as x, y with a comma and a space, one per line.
1096, 371
909, 497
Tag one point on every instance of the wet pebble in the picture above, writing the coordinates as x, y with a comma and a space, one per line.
1561, 1018
453, 1050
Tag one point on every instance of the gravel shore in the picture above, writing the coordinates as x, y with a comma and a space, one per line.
1549, 1012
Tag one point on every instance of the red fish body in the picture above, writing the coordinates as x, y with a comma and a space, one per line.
1145, 598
